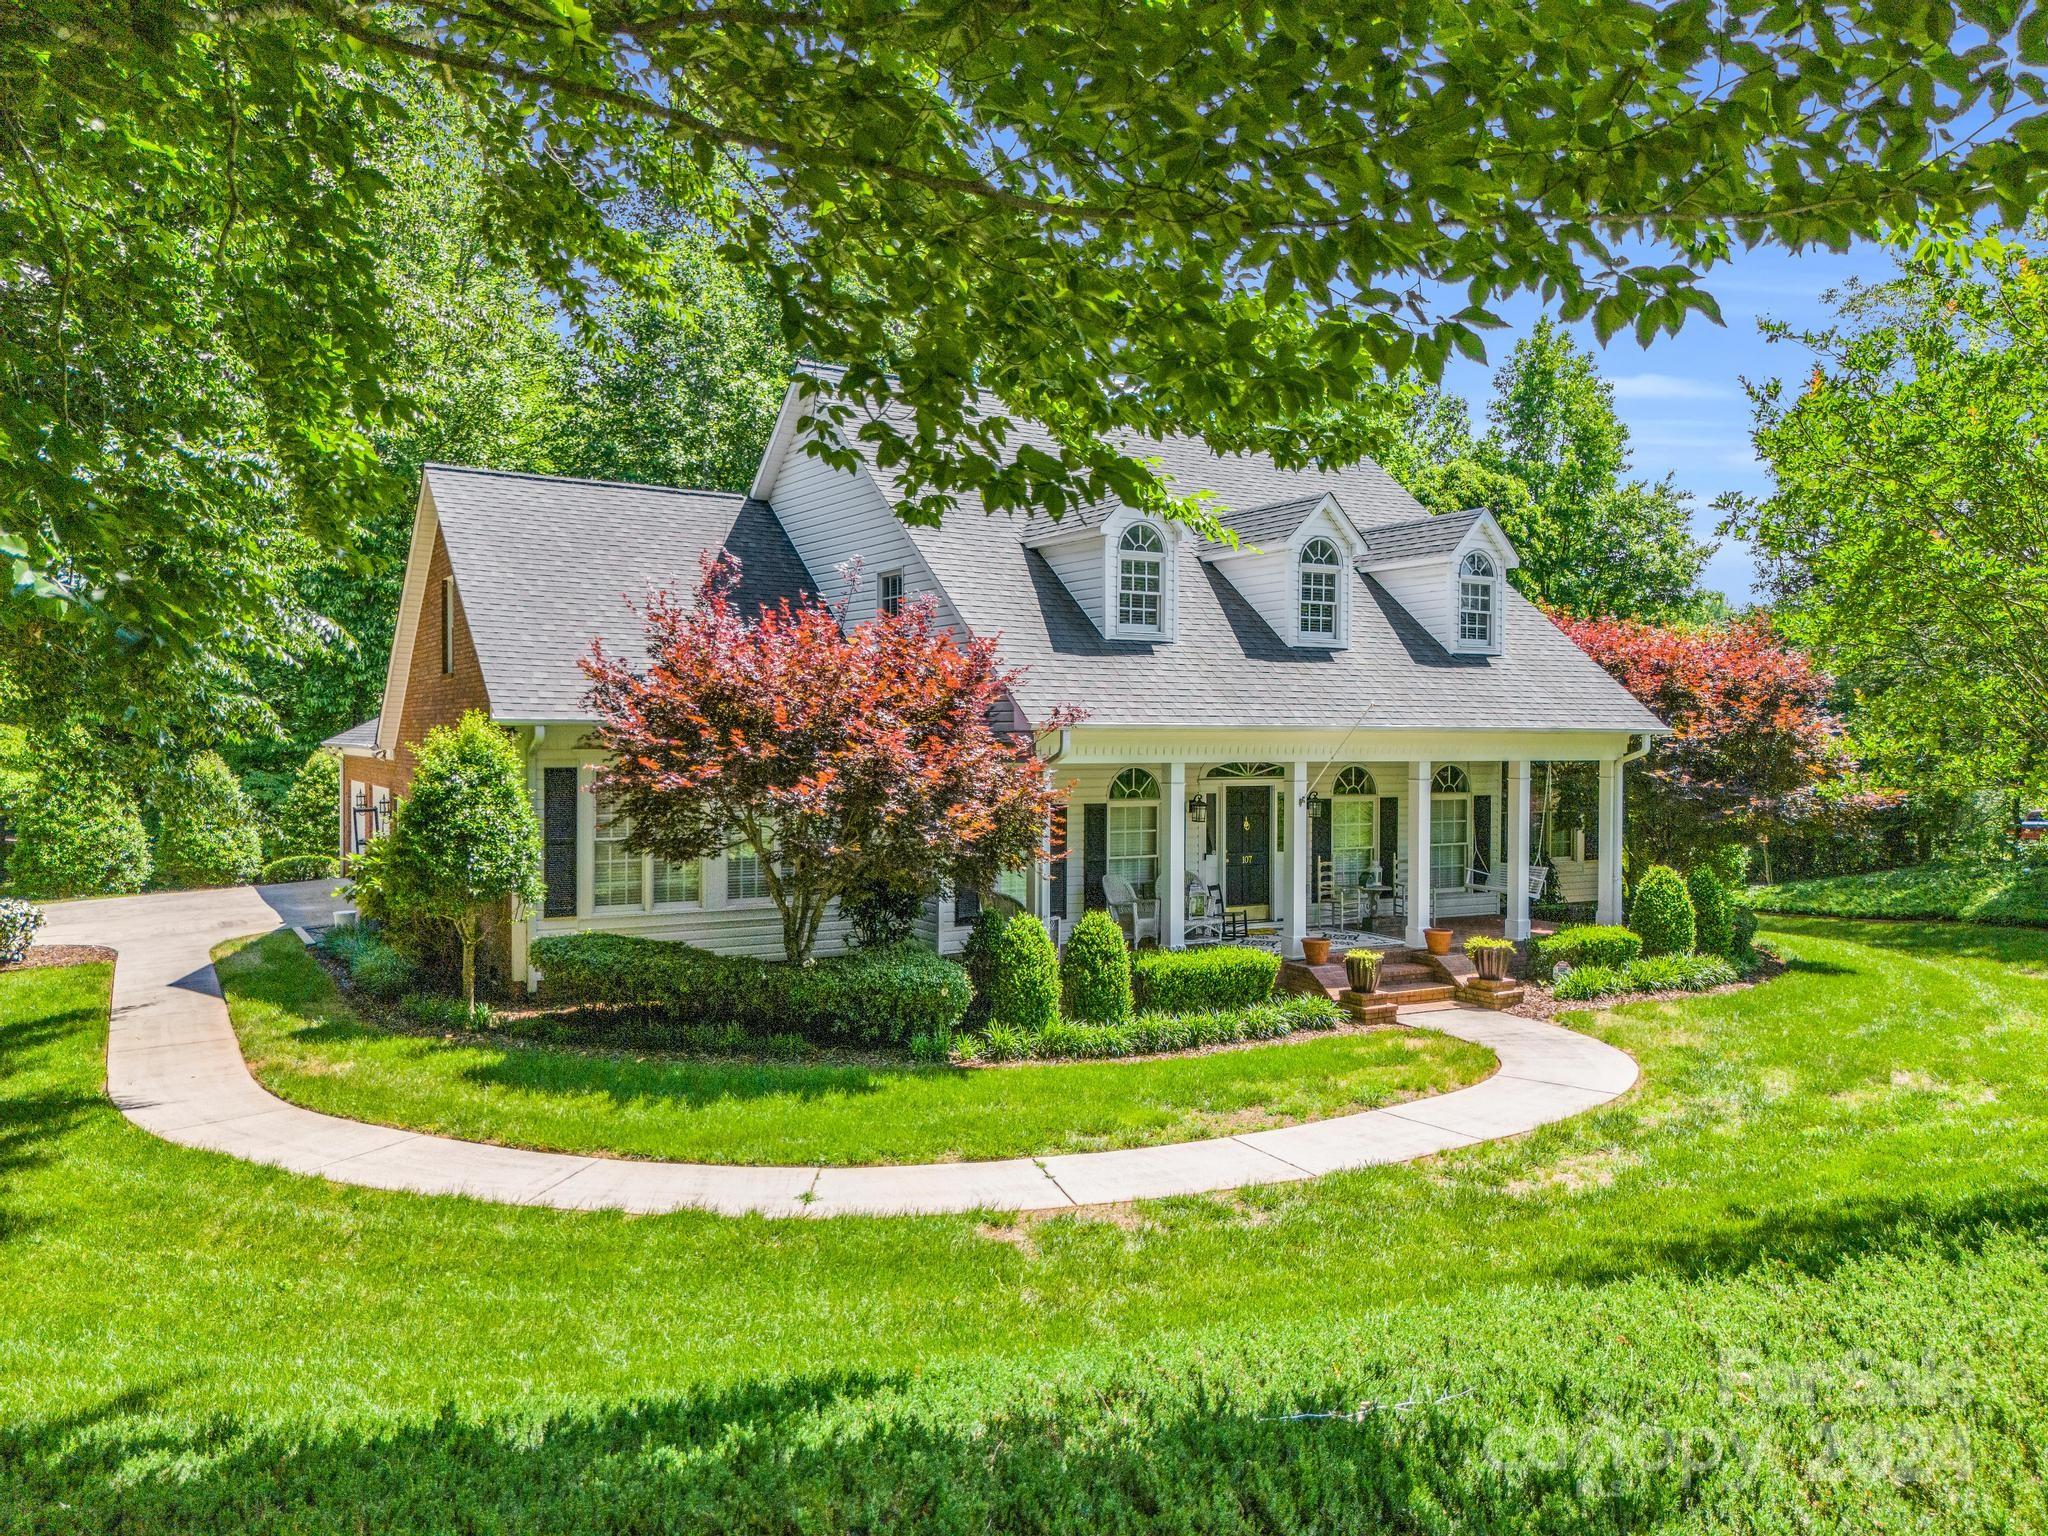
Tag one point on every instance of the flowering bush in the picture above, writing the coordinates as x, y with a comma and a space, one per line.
19, 924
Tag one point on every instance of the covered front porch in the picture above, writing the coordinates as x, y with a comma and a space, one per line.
1293, 842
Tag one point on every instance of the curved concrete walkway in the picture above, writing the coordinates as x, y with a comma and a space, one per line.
175, 1068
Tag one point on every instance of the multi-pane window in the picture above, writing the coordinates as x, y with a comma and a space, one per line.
889, 591
1354, 829
616, 875
1319, 565
745, 880
1476, 592
1133, 852
1450, 841
1140, 577
676, 883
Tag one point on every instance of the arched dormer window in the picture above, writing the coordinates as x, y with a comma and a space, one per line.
1316, 590
1478, 602
1141, 580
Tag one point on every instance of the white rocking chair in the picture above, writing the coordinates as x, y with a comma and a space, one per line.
1138, 915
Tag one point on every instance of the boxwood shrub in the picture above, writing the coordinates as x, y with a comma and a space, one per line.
1025, 991
1713, 909
1584, 944
1662, 912
1095, 971
1178, 980
891, 994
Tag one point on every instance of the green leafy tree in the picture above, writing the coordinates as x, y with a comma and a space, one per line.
80, 834
1237, 230
463, 840
308, 821
1906, 536
206, 830
1553, 469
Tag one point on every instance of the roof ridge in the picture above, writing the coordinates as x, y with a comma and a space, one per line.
617, 485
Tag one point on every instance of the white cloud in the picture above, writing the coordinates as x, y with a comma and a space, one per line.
1667, 386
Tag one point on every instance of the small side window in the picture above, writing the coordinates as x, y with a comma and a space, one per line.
447, 626
889, 592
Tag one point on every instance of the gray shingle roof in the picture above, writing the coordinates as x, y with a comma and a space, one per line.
363, 735
1264, 527
1419, 540
544, 565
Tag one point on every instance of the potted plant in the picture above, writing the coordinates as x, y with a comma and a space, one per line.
1315, 949
1438, 940
1362, 969
1491, 956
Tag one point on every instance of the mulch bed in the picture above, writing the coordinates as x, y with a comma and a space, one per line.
42, 956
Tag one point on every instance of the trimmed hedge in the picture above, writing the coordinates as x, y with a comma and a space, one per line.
890, 994
1156, 1033
300, 866
1025, 990
19, 924
1662, 912
1095, 971
1181, 980
1583, 944
1713, 911
208, 834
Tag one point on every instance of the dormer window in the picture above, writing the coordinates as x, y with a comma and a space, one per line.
1140, 578
1316, 591
1478, 602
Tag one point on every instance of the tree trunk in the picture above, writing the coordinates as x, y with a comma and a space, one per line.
467, 931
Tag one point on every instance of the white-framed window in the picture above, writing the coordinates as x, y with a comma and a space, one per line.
1450, 828
677, 885
1133, 825
617, 876
1316, 591
1354, 829
447, 626
1141, 579
745, 880
889, 592
1478, 601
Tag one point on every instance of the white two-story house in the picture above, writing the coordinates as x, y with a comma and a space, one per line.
1351, 696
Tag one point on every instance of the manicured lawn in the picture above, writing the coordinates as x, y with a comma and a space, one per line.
306, 1044
1796, 1282
1975, 893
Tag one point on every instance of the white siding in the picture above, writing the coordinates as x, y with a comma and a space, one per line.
749, 930
833, 516
1425, 592
1267, 582
1080, 568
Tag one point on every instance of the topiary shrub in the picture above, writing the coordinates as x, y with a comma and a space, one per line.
1583, 944
1742, 939
1095, 971
1179, 980
79, 834
20, 922
308, 819
207, 833
300, 866
978, 955
1025, 993
1662, 913
1713, 909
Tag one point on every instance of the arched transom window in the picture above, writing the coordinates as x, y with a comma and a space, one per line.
1451, 780
1318, 594
1133, 827
1354, 826
1140, 577
1355, 781
1134, 784
1478, 600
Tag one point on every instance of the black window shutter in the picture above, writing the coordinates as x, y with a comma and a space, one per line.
1482, 832
1506, 810
1058, 872
1390, 837
1319, 834
966, 904
1094, 855
558, 840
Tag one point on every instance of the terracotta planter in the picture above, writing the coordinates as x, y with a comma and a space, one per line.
1492, 963
1315, 951
1363, 972
1438, 940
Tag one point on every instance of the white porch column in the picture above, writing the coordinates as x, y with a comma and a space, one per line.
1610, 843
1517, 790
1298, 857
1042, 880
1174, 828
1418, 851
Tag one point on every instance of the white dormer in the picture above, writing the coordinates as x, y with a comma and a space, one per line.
1450, 574
1123, 569
1292, 563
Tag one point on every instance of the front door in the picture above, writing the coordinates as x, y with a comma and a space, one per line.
1248, 847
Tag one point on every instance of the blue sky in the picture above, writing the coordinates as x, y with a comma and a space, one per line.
1682, 396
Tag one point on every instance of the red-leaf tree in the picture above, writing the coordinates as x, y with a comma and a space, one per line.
846, 759
1752, 739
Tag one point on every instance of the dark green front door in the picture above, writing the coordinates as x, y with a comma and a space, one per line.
1248, 847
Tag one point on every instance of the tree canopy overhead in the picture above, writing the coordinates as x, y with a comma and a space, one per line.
1226, 219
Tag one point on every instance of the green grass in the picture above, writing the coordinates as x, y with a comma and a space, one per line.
305, 1044
1973, 893
1812, 1247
